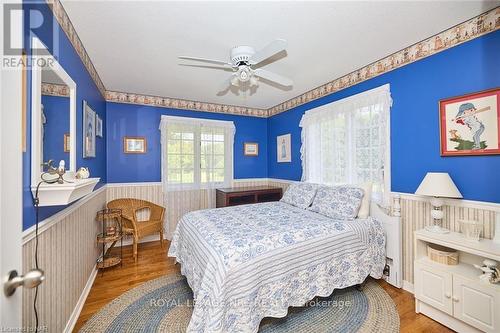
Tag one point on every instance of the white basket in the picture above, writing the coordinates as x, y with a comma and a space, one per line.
471, 229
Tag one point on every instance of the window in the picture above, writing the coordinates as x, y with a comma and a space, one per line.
196, 153
347, 142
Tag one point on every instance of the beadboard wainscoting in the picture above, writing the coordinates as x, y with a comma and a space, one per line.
67, 253
177, 203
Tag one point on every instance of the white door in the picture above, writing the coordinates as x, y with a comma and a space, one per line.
476, 303
10, 173
434, 287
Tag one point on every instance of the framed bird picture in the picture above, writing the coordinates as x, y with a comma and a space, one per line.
470, 124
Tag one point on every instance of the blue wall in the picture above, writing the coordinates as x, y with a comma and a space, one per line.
136, 120
56, 110
85, 90
416, 90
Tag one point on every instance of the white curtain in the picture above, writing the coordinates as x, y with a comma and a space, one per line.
348, 142
196, 158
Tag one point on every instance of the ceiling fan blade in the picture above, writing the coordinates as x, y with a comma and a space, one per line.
226, 85
281, 80
217, 62
271, 49
227, 69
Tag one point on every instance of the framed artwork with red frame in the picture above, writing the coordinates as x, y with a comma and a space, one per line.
470, 124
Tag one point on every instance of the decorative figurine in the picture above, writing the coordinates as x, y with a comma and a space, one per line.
53, 171
491, 273
82, 173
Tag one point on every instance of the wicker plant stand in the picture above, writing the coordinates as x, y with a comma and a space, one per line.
112, 232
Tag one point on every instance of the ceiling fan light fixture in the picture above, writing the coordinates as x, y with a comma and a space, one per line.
244, 73
254, 81
242, 59
234, 81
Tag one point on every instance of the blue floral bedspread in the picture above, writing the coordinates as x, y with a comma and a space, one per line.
248, 262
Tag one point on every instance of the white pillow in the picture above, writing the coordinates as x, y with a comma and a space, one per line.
300, 194
338, 202
364, 209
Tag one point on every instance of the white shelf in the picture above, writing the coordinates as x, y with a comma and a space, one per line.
66, 193
483, 248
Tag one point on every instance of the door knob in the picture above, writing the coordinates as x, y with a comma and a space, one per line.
447, 295
29, 280
455, 299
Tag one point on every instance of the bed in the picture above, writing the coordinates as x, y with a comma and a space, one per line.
248, 262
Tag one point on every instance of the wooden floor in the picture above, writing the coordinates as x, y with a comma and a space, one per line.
153, 262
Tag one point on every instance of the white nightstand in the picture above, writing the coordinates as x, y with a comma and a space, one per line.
454, 295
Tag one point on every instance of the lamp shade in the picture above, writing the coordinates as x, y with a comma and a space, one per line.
438, 184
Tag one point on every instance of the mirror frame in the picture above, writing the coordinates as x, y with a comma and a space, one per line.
36, 106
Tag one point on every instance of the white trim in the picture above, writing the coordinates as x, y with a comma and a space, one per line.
239, 180
36, 103
246, 180
81, 301
408, 286
11, 168
288, 181
127, 241
111, 185
199, 121
196, 126
49, 222
493, 206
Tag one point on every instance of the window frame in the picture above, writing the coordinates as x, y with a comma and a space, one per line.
349, 106
197, 125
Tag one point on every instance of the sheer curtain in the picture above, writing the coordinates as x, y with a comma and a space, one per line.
196, 158
348, 141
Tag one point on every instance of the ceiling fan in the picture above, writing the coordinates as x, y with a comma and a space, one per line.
242, 61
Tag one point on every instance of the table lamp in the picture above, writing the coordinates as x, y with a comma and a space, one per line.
438, 185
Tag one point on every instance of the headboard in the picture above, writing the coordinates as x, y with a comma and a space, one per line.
393, 232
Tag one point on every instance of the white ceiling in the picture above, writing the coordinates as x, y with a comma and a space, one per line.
134, 44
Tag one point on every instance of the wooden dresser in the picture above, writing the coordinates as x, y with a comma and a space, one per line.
234, 196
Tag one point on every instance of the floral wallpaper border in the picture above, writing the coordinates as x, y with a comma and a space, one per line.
473, 28
52, 89
63, 19
166, 102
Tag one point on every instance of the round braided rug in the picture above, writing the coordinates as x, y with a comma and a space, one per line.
165, 305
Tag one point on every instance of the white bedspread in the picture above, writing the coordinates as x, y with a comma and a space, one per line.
248, 262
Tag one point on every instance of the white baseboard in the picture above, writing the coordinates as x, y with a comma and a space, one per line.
408, 286
151, 238
444, 318
70, 325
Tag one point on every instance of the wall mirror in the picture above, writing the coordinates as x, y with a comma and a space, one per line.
53, 124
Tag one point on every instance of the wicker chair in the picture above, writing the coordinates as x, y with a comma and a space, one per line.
139, 229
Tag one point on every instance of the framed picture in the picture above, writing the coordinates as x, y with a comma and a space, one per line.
134, 145
67, 143
88, 131
470, 124
284, 148
251, 149
98, 126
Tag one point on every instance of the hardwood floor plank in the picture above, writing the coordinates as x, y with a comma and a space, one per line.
153, 263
